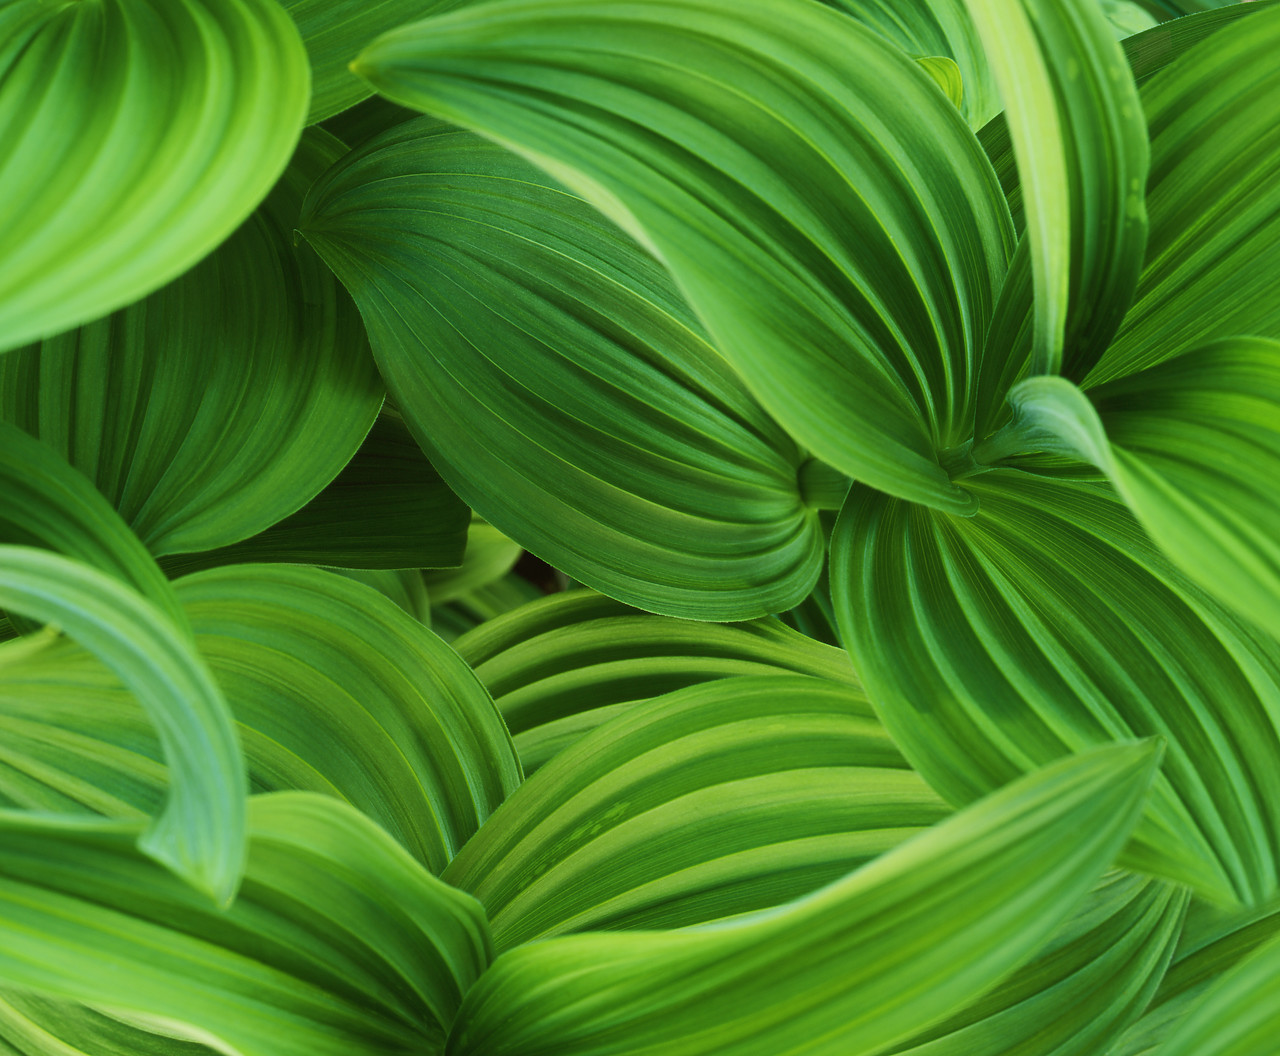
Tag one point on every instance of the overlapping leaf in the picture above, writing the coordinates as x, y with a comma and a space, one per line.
1046, 623
771, 143
549, 370
705, 803
138, 135
200, 831
868, 960
221, 403
340, 943
559, 667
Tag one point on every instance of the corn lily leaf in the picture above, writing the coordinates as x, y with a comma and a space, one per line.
32, 1025
560, 666
1193, 445
387, 509
478, 606
1047, 623
355, 127
399, 727
403, 586
549, 371
1077, 128
946, 74
488, 557
872, 958
200, 831
705, 803
339, 942
220, 404
759, 141
138, 135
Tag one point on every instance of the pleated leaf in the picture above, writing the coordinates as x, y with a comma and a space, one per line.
548, 369
1076, 123
223, 402
335, 690
31, 1025
138, 135
560, 666
785, 145
1048, 623
200, 831
339, 942
705, 803
868, 960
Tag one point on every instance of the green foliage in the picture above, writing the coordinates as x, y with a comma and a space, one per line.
648, 528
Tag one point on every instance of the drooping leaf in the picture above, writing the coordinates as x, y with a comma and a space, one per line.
548, 369
706, 803
138, 135
1045, 624
335, 689
200, 832
784, 144
223, 402
561, 666
872, 958
388, 509
1078, 134
340, 943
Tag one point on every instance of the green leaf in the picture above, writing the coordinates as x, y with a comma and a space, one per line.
355, 127
1193, 445
1080, 140
138, 135
340, 943
1214, 199
31, 1025
467, 612
768, 142
403, 586
561, 666
220, 404
702, 804
200, 831
1047, 623
489, 555
335, 689
870, 959
947, 75
388, 509
548, 369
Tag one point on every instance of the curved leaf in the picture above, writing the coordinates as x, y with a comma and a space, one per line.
223, 402
138, 134
561, 666
200, 832
870, 959
31, 1025
489, 555
761, 141
705, 803
339, 943
548, 369
1048, 623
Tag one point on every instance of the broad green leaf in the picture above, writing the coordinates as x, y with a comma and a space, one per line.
44, 502
335, 689
31, 1025
489, 555
340, 943
561, 666
705, 803
548, 369
1080, 140
868, 960
200, 831
1214, 199
1239, 1016
138, 135
1047, 623
388, 509
1193, 445
1126, 17
1086, 985
223, 402
403, 586
334, 31
783, 144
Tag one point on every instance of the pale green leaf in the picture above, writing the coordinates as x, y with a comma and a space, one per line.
947, 75
547, 367
488, 556
138, 135
1045, 624
868, 960
223, 402
783, 144
31, 1025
